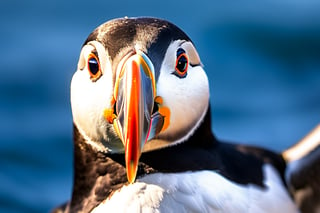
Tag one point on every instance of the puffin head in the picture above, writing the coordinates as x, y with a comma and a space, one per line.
139, 86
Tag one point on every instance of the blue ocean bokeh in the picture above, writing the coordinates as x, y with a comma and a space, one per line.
262, 59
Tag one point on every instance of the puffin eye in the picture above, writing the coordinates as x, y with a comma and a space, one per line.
182, 63
94, 67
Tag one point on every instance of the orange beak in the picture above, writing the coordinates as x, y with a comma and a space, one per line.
134, 95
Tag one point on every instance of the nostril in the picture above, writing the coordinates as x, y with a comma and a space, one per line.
155, 108
115, 109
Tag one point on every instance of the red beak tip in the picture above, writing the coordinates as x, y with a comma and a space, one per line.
131, 171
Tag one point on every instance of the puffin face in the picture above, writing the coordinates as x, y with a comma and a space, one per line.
139, 86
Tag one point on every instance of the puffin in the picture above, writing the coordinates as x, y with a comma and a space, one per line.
143, 140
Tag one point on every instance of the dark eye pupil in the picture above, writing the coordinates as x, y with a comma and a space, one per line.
93, 65
182, 63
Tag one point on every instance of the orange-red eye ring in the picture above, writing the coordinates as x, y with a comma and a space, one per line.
94, 67
182, 64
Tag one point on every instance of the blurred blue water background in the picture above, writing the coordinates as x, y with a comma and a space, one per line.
262, 59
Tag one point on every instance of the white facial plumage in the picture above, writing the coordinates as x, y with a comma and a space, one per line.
186, 97
89, 98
